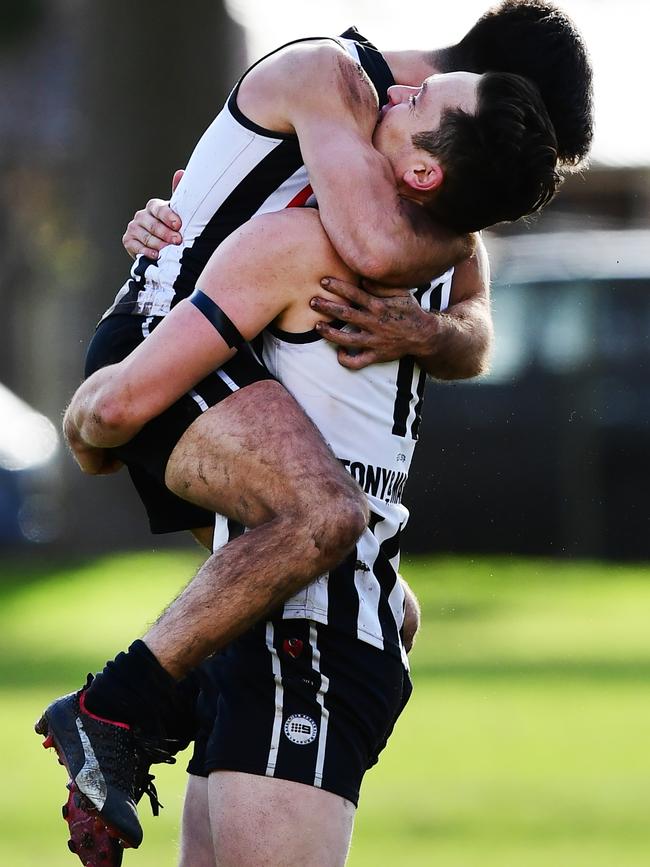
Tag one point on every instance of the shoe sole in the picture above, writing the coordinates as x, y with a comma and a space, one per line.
90, 839
42, 728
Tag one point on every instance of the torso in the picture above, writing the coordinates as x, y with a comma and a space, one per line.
237, 170
370, 419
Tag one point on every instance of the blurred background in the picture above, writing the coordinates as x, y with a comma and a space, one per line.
525, 745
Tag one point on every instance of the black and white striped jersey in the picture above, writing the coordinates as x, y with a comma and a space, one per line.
370, 418
237, 170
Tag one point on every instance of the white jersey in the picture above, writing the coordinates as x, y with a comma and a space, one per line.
237, 170
370, 419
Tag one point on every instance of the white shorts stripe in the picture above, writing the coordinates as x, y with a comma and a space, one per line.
145, 326
232, 385
279, 702
220, 535
198, 400
324, 712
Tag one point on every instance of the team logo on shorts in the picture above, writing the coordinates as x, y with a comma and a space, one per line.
300, 729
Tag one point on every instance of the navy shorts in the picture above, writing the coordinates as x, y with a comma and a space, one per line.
146, 455
299, 701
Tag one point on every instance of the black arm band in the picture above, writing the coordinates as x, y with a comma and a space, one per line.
216, 317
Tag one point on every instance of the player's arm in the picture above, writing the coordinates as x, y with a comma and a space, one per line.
319, 92
456, 344
264, 270
389, 324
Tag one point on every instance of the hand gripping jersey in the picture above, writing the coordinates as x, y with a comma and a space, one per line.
370, 419
237, 170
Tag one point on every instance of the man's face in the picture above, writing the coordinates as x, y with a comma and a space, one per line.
411, 110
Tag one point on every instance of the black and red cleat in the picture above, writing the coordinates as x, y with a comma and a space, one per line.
108, 765
90, 839
102, 761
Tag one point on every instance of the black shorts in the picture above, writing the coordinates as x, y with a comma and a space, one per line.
296, 700
146, 455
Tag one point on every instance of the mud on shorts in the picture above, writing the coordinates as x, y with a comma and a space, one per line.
299, 701
146, 455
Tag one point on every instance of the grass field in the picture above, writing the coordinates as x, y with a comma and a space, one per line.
526, 743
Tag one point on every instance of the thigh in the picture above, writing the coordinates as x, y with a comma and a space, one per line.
256, 455
265, 822
196, 836
147, 454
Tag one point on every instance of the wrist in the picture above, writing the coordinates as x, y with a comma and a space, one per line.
426, 335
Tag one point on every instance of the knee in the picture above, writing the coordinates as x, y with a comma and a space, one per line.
342, 518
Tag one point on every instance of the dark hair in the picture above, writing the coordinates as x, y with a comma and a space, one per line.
499, 163
535, 39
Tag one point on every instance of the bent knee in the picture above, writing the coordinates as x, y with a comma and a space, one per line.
341, 521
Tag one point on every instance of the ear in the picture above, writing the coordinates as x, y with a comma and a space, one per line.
424, 175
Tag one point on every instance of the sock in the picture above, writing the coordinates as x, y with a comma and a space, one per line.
135, 689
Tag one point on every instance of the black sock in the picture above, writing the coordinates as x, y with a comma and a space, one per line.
135, 689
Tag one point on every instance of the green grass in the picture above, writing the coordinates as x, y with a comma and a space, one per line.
525, 743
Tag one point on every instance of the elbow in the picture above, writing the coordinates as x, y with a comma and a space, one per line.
110, 420
380, 269
373, 266
469, 365
477, 364
371, 258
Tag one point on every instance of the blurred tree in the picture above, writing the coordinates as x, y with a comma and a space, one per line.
19, 18
100, 103
154, 76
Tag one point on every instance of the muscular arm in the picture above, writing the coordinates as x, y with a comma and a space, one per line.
456, 344
265, 271
389, 324
319, 92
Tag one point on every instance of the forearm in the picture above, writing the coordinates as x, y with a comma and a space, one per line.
378, 234
388, 239
455, 344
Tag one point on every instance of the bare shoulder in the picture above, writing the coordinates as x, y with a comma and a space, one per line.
291, 241
298, 234
318, 74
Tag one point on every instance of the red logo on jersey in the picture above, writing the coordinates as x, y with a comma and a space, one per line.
292, 647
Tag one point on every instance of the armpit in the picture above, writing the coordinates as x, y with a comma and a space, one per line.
355, 87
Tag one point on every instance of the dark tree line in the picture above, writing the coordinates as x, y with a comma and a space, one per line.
102, 102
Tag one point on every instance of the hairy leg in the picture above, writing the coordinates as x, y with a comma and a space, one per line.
197, 849
258, 459
266, 822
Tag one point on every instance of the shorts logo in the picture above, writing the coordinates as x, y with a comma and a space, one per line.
300, 729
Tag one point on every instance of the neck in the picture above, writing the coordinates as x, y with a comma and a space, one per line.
411, 67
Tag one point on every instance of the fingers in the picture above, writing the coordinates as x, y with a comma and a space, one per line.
358, 360
161, 212
150, 230
352, 293
178, 174
346, 339
342, 312
96, 462
110, 465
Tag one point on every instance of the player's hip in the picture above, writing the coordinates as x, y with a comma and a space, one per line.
298, 700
